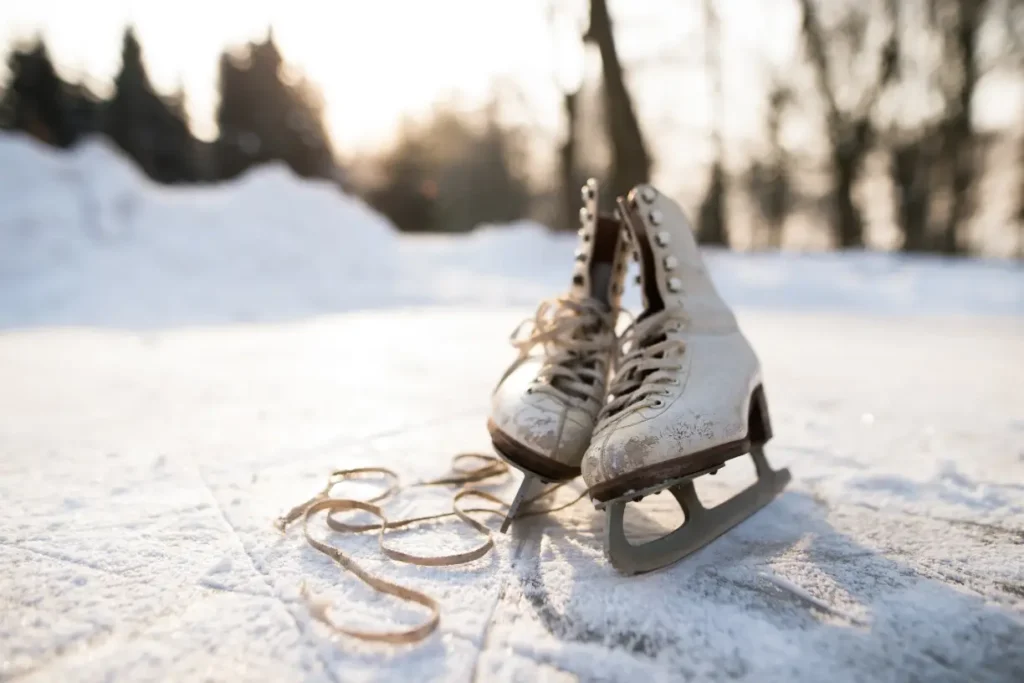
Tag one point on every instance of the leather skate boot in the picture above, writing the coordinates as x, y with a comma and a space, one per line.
687, 396
545, 407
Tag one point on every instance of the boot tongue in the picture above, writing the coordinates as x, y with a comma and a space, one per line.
601, 258
601, 253
601, 281
672, 269
648, 279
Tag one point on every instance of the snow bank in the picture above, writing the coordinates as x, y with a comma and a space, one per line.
517, 264
86, 239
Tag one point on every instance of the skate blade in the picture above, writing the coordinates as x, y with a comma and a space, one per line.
702, 525
531, 487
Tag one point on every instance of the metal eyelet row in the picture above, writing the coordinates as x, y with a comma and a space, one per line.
662, 238
589, 191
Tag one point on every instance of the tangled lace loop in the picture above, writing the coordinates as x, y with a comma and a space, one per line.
467, 468
576, 337
643, 366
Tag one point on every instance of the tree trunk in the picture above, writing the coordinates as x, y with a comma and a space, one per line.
712, 227
711, 218
567, 165
1020, 200
631, 164
960, 132
849, 233
909, 171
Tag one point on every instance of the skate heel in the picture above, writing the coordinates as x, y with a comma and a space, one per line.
701, 524
759, 424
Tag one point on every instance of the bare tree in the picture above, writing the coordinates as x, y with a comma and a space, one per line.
911, 169
1020, 201
567, 162
848, 125
1012, 19
960, 21
631, 163
712, 225
769, 181
942, 158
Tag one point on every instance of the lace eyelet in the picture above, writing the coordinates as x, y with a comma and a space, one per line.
657, 403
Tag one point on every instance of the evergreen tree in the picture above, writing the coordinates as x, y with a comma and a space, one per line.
33, 99
453, 173
83, 109
262, 118
151, 130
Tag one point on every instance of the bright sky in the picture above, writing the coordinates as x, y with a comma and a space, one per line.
375, 61
379, 60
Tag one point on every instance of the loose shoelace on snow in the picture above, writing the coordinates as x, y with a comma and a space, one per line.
642, 368
576, 336
489, 467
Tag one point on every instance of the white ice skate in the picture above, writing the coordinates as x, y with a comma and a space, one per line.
687, 396
546, 405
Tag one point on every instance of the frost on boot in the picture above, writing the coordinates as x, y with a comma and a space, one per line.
687, 395
545, 407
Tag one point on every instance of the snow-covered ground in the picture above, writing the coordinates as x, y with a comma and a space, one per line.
177, 367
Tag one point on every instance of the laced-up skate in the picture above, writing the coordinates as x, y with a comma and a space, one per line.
546, 405
687, 396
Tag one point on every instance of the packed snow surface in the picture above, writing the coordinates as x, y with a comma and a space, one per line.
178, 367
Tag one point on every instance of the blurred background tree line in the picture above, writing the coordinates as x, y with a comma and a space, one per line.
889, 83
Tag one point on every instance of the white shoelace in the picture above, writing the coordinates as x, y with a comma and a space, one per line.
577, 337
642, 368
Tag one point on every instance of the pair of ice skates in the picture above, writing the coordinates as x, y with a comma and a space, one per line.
672, 398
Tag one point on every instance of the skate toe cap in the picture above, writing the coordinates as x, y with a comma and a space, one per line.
545, 426
616, 453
